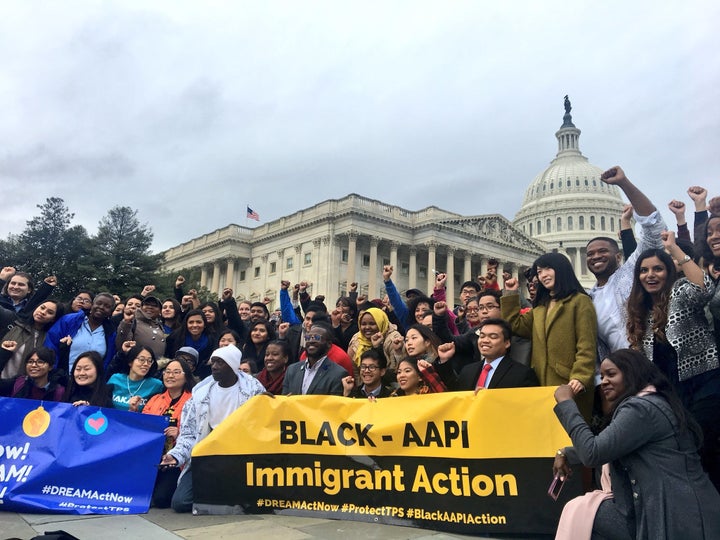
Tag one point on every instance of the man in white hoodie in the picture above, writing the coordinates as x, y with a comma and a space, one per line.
213, 399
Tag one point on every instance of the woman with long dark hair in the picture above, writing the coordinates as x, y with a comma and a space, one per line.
213, 317
260, 334
87, 382
421, 343
416, 377
193, 333
667, 322
658, 485
28, 335
562, 326
172, 315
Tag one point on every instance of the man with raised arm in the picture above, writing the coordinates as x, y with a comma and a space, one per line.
614, 279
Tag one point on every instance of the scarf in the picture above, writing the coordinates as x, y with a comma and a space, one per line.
383, 324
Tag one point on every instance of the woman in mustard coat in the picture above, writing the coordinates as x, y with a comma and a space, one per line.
562, 327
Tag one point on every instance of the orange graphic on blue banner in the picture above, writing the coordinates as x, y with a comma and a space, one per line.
36, 422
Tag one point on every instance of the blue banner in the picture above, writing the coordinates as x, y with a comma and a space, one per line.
77, 460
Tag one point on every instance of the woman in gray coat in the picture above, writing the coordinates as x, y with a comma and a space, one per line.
659, 487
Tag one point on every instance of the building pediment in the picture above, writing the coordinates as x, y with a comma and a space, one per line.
494, 228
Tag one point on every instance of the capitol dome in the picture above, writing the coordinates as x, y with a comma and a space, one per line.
567, 204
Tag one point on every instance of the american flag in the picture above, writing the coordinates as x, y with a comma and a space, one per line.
252, 214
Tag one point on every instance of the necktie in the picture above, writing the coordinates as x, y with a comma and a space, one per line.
483, 375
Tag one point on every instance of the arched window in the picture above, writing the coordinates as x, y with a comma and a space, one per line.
581, 222
559, 224
602, 223
539, 228
612, 223
548, 227
570, 223
592, 223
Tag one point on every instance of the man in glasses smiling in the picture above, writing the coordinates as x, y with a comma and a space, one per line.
481, 309
317, 374
372, 369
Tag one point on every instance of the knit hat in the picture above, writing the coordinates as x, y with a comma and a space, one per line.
190, 352
230, 354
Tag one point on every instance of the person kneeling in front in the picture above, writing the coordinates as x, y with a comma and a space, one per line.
213, 399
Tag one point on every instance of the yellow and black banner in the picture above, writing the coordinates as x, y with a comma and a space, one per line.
454, 461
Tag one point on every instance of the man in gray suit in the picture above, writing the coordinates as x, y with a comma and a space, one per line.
318, 374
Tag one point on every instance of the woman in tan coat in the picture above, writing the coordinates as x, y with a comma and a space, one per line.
562, 327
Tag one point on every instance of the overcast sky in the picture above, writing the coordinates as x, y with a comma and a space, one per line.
189, 111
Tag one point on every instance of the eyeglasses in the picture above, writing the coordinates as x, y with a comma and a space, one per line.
147, 361
314, 337
371, 368
81, 300
487, 307
35, 362
174, 373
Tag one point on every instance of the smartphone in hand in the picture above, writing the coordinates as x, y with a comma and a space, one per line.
555, 488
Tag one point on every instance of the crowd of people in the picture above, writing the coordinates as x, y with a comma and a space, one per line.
634, 359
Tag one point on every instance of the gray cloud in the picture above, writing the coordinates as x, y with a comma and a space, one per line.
188, 113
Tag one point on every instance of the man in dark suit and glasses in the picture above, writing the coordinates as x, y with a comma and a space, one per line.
318, 374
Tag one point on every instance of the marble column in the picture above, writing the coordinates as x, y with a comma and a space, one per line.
483, 266
203, 275
431, 247
352, 248
393, 256
578, 262
230, 275
216, 279
280, 269
373, 271
316, 263
450, 271
412, 277
467, 267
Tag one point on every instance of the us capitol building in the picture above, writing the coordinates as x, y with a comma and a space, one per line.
340, 241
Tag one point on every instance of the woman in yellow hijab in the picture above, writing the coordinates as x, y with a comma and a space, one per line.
376, 332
